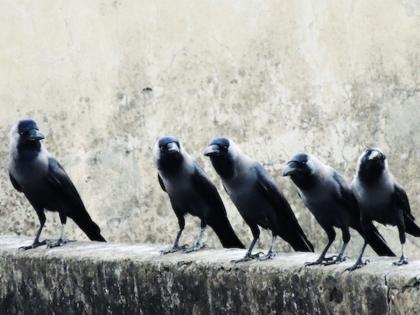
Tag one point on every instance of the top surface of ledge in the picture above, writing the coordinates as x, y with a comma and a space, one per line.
96, 251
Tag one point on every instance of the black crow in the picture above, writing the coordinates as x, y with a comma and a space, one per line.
190, 191
328, 196
381, 199
257, 197
39, 176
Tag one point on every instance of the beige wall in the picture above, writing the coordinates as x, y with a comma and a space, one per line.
326, 77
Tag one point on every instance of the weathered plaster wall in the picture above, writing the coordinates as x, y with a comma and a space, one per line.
117, 278
105, 79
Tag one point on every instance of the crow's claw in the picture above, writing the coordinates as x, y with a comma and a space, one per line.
174, 249
335, 261
33, 245
320, 261
402, 261
195, 248
269, 255
359, 264
57, 243
248, 257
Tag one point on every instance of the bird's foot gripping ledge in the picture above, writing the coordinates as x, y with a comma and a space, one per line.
103, 278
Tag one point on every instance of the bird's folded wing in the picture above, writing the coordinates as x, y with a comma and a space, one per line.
207, 190
269, 188
14, 183
162, 185
346, 196
62, 184
401, 201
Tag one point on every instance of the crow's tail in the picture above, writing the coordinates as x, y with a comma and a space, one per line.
376, 241
225, 232
411, 227
298, 240
85, 223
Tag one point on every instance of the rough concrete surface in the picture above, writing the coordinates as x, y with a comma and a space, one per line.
105, 79
115, 278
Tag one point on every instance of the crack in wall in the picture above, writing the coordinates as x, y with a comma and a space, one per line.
388, 292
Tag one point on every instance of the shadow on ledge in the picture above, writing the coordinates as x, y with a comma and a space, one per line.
115, 278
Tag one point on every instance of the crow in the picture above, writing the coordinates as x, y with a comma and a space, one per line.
257, 197
381, 199
43, 181
190, 191
329, 198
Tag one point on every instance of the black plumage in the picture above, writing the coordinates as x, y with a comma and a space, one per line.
41, 178
329, 198
257, 197
191, 192
381, 199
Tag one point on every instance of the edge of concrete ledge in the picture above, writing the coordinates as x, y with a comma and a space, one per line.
172, 280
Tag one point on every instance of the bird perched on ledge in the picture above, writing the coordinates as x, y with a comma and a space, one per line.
191, 192
381, 199
41, 178
329, 198
257, 197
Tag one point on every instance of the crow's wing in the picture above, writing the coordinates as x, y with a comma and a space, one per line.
162, 185
14, 183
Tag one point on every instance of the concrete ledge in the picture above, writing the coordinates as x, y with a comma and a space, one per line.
112, 278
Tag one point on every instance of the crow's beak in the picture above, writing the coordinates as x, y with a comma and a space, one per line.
212, 150
289, 169
35, 135
172, 147
373, 155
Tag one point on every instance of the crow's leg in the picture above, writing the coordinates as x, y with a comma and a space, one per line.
366, 223
322, 259
61, 240
359, 262
199, 243
403, 260
176, 247
249, 256
340, 258
36, 243
271, 253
